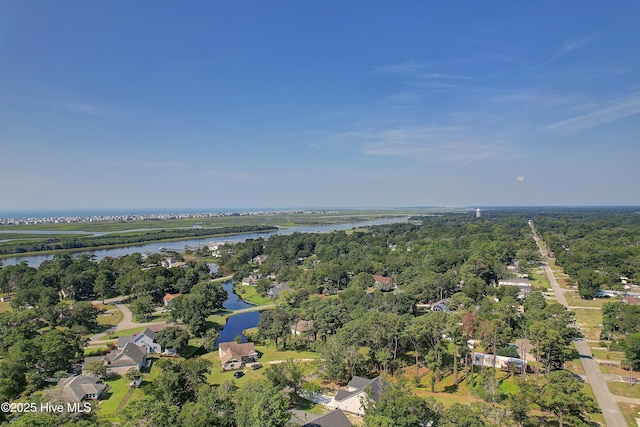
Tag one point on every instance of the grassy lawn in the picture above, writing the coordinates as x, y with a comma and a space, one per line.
110, 319
250, 294
630, 412
119, 388
590, 322
598, 418
574, 366
312, 408
604, 355
95, 351
539, 279
574, 300
217, 376
5, 306
128, 332
623, 389
218, 320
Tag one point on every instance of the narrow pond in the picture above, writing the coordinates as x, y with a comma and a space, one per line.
238, 323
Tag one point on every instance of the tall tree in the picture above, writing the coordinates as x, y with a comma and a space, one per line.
562, 394
261, 404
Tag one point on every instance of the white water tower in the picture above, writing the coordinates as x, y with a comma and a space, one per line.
478, 213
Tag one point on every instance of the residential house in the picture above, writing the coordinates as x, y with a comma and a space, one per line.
120, 361
260, 259
523, 285
382, 283
275, 291
501, 362
172, 262
302, 327
81, 387
335, 418
146, 339
168, 299
631, 300
441, 305
350, 400
235, 356
250, 280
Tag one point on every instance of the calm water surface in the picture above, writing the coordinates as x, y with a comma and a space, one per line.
179, 245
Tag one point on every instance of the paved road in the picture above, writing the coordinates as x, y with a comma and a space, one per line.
612, 415
126, 323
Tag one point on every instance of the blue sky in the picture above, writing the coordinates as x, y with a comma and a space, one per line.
318, 104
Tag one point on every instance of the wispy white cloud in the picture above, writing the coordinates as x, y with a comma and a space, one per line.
600, 114
430, 144
439, 145
419, 69
567, 47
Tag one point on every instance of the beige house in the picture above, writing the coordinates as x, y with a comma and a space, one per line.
235, 356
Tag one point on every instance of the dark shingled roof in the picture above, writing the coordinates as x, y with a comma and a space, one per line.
335, 418
357, 385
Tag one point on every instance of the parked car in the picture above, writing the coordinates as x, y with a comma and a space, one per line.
238, 374
256, 366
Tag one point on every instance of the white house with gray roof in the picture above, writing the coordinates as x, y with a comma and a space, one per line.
350, 399
146, 338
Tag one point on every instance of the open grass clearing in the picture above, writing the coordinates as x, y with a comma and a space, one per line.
251, 295
574, 300
110, 319
607, 355
310, 407
630, 412
5, 306
574, 366
590, 322
217, 376
624, 389
128, 332
118, 389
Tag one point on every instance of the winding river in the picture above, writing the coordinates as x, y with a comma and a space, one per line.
179, 245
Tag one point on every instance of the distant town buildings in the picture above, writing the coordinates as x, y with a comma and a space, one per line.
107, 218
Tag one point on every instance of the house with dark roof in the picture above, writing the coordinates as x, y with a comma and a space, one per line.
120, 361
234, 355
275, 291
350, 399
146, 338
81, 387
131, 356
335, 418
